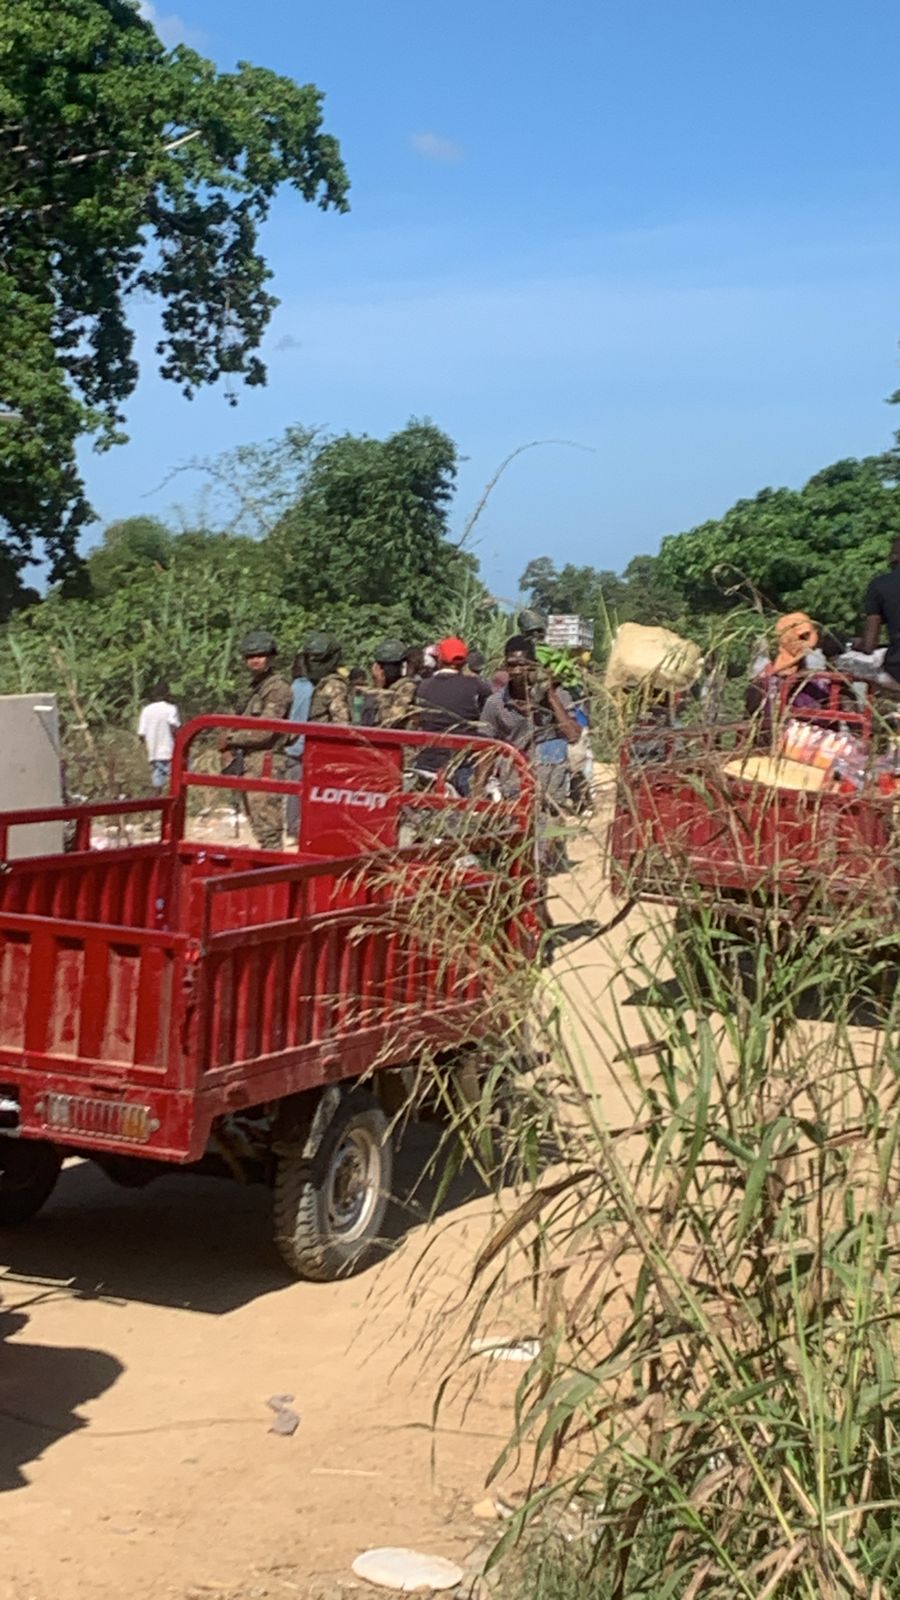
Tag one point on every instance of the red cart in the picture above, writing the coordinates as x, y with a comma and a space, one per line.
688, 825
174, 1003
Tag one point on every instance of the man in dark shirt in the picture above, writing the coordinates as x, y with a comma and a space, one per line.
529, 714
882, 607
450, 701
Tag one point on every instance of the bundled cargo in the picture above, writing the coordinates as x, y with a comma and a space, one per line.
653, 658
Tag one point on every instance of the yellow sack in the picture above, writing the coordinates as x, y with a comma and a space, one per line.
651, 658
777, 772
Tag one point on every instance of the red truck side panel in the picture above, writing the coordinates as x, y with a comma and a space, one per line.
88, 994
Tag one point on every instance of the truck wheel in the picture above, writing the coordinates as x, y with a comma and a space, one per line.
329, 1207
28, 1172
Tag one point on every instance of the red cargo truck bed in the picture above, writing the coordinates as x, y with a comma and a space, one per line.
683, 825
150, 990
146, 989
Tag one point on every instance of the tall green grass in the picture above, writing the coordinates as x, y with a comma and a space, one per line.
699, 1209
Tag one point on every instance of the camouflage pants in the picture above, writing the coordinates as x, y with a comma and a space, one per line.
265, 811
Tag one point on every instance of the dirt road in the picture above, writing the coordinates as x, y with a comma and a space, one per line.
135, 1452
135, 1456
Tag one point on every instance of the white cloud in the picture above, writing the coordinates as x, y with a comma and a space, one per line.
436, 147
171, 28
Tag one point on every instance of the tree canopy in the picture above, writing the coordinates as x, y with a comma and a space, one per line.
351, 533
129, 548
571, 589
370, 524
636, 595
348, 534
127, 169
812, 549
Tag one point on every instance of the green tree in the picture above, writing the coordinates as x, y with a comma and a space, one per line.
649, 597
587, 591
812, 549
370, 525
361, 549
182, 620
539, 582
127, 169
582, 591
129, 548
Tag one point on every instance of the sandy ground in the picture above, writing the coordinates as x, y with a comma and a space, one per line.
135, 1453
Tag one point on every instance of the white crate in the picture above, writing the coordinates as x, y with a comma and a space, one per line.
570, 633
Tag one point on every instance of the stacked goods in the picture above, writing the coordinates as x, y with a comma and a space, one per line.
808, 758
651, 658
567, 632
833, 753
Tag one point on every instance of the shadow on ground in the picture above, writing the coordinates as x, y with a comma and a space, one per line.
41, 1387
564, 933
815, 1004
201, 1244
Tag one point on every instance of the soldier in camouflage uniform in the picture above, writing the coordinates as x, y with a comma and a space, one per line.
391, 702
262, 754
331, 696
533, 626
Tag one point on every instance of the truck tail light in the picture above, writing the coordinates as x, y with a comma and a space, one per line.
76, 1114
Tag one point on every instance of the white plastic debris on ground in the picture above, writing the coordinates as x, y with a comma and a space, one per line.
407, 1571
498, 1348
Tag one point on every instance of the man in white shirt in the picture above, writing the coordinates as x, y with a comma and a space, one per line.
156, 727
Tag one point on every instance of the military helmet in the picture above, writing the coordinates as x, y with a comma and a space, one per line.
390, 652
531, 622
258, 642
321, 646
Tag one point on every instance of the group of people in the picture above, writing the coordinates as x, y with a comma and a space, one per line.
439, 690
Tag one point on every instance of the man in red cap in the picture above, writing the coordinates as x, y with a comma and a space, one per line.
450, 701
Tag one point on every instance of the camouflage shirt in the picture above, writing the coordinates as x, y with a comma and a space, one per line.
270, 696
393, 707
330, 700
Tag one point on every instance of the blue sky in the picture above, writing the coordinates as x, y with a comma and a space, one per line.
664, 232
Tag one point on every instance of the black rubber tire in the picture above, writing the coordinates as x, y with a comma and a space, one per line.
309, 1240
29, 1169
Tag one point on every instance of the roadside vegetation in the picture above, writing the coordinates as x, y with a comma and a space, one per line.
355, 535
706, 1253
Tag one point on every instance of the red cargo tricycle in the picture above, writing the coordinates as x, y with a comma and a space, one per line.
694, 821
185, 1004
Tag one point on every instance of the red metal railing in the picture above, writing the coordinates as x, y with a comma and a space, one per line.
354, 738
83, 816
